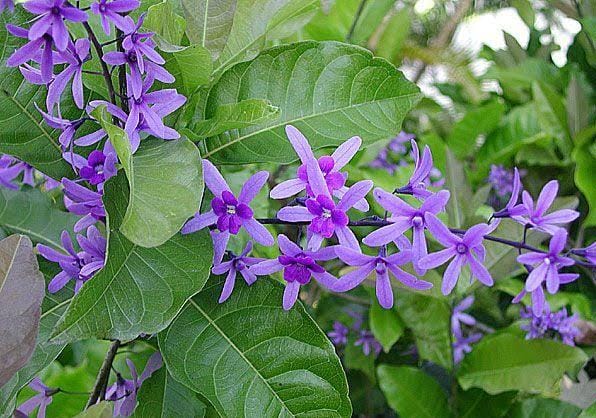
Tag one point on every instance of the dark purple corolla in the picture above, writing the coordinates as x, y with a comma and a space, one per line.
41, 400
298, 267
404, 217
112, 11
96, 168
534, 215
79, 266
124, 391
464, 250
381, 264
75, 55
82, 201
463, 345
418, 182
229, 213
236, 264
328, 165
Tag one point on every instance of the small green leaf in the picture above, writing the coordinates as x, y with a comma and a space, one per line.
162, 20
543, 408
371, 17
551, 113
386, 325
585, 180
578, 104
394, 35
412, 393
459, 187
284, 365
525, 10
191, 66
506, 362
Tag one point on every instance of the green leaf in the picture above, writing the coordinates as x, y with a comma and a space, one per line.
23, 133
412, 393
585, 167
371, 17
284, 365
474, 403
333, 21
514, 48
459, 187
161, 396
543, 408
162, 20
21, 294
140, 290
462, 140
330, 91
236, 116
166, 185
578, 104
551, 112
506, 362
589, 412
191, 66
386, 325
31, 212
100, 410
355, 359
430, 321
525, 10
394, 35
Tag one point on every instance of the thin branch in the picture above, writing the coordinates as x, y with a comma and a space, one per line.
104, 67
103, 375
355, 21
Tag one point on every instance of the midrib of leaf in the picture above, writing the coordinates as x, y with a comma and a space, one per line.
328, 112
30, 116
203, 42
14, 254
267, 29
220, 331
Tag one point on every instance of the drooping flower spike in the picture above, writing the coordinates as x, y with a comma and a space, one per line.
534, 215
464, 250
417, 184
381, 265
40, 401
298, 266
228, 212
237, 264
404, 217
328, 165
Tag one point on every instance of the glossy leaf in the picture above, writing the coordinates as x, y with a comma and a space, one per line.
585, 167
329, 91
163, 20
333, 21
21, 294
578, 104
161, 397
506, 362
412, 393
543, 408
140, 290
386, 325
191, 66
369, 20
474, 403
283, 366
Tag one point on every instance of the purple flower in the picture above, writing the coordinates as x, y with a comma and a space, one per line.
298, 267
535, 217
124, 391
41, 400
236, 264
96, 169
556, 324
459, 317
381, 265
422, 167
32, 51
11, 168
109, 11
463, 345
6, 4
82, 201
396, 146
51, 20
68, 127
467, 249
404, 217
228, 212
75, 55
329, 166
368, 342
589, 253
512, 208
78, 266
546, 265
339, 334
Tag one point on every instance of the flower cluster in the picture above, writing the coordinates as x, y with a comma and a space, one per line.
14, 173
461, 329
556, 325
364, 338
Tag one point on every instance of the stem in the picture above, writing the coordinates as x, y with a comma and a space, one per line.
104, 67
355, 21
121, 73
103, 375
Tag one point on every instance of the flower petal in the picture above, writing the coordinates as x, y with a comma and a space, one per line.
546, 197
258, 232
213, 179
452, 274
287, 188
387, 233
345, 152
354, 194
290, 294
354, 278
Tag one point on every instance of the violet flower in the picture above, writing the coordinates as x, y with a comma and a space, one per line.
463, 345
237, 264
6, 4
68, 127
465, 250
328, 165
339, 334
228, 212
535, 217
556, 324
325, 217
512, 208
82, 201
11, 168
124, 391
32, 51
298, 267
96, 168
404, 217
589, 253
422, 167
51, 20
41, 400
382, 265
74, 55
368, 342
458, 316
546, 265
109, 11
78, 266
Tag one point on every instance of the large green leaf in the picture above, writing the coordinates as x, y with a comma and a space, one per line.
385, 324
543, 408
506, 362
23, 133
412, 393
330, 91
162, 397
140, 290
191, 66
551, 113
250, 358
585, 167
166, 185
30, 212
333, 21
475, 403
429, 319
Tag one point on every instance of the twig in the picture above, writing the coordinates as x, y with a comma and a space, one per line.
355, 21
103, 374
104, 67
